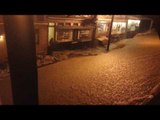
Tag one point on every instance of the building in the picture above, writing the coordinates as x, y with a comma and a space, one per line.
79, 29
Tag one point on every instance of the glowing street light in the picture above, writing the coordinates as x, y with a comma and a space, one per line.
1, 38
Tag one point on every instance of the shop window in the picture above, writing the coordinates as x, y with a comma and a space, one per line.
133, 25
119, 27
102, 28
84, 35
64, 35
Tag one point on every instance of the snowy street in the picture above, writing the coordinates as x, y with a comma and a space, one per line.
123, 76
126, 75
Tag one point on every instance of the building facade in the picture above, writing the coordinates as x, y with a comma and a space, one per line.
74, 29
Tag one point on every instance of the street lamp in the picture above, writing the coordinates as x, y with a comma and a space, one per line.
1, 38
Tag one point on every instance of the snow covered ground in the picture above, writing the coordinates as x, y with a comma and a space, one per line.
127, 75
5, 91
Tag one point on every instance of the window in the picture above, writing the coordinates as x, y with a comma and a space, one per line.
64, 35
102, 28
84, 35
118, 27
133, 25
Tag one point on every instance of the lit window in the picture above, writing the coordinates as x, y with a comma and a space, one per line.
133, 25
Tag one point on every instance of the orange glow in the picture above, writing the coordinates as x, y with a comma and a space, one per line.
1, 38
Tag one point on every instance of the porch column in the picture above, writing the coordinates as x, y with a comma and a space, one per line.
20, 38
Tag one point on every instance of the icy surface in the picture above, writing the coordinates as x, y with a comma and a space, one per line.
127, 75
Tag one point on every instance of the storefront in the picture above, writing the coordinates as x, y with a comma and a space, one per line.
118, 27
69, 30
75, 29
123, 26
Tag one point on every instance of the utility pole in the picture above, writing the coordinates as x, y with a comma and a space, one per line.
110, 31
20, 39
94, 31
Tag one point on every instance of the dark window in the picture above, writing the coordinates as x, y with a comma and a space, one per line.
145, 25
